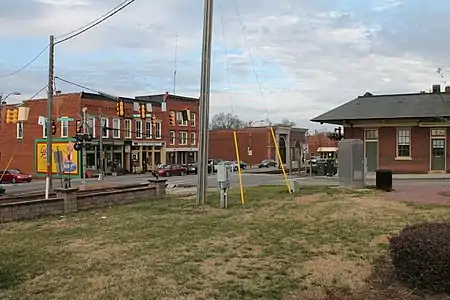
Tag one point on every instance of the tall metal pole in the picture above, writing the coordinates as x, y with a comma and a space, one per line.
84, 147
202, 184
51, 65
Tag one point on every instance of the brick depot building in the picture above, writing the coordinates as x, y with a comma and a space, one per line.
319, 142
406, 133
256, 144
131, 143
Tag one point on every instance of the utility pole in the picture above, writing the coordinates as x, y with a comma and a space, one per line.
202, 183
84, 147
101, 143
51, 66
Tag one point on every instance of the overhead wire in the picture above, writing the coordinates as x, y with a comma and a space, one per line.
227, 65
122, 6
27, 64
252, 60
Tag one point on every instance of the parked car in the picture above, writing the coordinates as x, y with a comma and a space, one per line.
214, 162
14, 176
170, 170
193, 167
243, 165
267, 163
231, 165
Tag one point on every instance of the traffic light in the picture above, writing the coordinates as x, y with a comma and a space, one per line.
82, 141
120, 108
143, 111
79, 127
54, 129
153, 121
12, 115
186, 115
172, 118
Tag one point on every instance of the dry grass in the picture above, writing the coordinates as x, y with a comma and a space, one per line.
281, 247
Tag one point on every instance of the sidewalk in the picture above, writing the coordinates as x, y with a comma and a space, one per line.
371, 176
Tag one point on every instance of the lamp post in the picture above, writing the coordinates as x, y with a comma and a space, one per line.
3, 103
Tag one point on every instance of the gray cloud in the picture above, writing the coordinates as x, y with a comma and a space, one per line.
309, 55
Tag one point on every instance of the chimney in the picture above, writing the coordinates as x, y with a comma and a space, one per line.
436, 88
447, 89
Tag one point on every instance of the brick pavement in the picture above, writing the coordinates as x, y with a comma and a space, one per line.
420, 193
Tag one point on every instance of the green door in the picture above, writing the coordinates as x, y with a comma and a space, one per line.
438, 154
372, 155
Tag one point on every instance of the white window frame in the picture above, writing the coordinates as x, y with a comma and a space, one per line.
138, 129
20, 130
193, 140
104, 122
64, 127
148, 129
158, 130
116, 128
91, 126
180, 120
172, 134
183, 137
128, 129
44, 131
401, 135
192, 119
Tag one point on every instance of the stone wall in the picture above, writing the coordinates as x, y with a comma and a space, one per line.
71, 200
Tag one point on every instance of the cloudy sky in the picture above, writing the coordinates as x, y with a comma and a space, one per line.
309, 56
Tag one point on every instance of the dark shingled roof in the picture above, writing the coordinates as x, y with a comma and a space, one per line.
398, 106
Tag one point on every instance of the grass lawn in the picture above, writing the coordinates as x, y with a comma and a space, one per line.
280, 247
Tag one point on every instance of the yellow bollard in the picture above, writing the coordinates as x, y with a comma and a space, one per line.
279, 159
241, 187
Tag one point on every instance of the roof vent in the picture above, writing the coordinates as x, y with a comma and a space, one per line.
367, 94
436, 88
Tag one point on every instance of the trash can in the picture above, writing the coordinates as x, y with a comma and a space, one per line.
329, 167
383, 180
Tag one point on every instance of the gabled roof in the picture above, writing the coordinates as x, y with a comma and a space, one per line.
397, 106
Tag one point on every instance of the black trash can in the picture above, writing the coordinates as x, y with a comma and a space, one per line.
329, 167
383, 180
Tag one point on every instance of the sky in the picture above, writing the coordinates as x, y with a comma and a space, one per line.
291, 59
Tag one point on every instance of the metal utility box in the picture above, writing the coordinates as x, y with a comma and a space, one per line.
351, 164
222, 173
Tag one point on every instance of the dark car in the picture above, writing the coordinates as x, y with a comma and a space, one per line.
14, 176
267, 163
243, 165
192, 168
170, 170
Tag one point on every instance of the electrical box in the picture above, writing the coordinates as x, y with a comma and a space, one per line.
222, 173
351, 164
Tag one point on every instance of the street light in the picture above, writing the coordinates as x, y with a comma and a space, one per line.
3, 100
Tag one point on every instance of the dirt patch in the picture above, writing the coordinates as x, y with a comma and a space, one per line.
335, 270
309, 198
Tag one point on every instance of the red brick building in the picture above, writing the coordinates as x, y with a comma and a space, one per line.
130, 143
256, 144
318, 141
407, 133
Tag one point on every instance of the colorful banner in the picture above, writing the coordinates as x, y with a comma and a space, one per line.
70, 157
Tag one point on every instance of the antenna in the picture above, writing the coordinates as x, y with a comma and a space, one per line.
175, 65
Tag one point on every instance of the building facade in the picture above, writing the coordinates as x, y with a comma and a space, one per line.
256, 144
319, 142
129, 143
406, 133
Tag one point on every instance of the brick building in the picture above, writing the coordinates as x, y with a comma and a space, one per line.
406, 133
318, 142
25, 143
256, 144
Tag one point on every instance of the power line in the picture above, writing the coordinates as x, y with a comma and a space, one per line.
87, 88
121, 6
27, 64
92, 22
38, 92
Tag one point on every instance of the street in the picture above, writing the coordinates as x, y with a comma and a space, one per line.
248, 179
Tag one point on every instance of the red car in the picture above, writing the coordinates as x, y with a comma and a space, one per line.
14, 176
170, 170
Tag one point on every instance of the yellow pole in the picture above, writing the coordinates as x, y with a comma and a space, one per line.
280, 160
7, 166
241, 187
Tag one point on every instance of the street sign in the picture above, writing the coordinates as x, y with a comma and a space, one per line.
66, 119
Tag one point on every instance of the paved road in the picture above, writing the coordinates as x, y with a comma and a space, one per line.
249, 179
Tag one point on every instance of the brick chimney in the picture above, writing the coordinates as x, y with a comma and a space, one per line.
436, 88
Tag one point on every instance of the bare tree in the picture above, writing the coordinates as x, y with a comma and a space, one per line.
287, 122
226, 121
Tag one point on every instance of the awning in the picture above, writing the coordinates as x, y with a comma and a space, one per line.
327, 149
